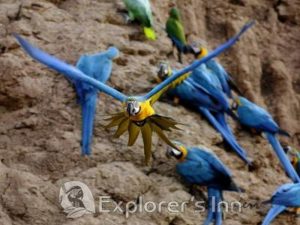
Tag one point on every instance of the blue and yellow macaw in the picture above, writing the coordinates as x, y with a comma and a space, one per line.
253, 116
97, 66
225, 81
276, 209
193, 95
212, 82
214, 76
137, 114
287, 195
201, 167
294, 157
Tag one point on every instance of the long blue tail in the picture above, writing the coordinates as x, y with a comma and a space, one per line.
222, 120
273, 212
88, 108
230, 139
285, 162
214, 209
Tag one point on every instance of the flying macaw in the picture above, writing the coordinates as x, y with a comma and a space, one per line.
287, 195
226, 81
201, 167
198, 98
175, 31
97, 66
140, 10
253, 116
137, 114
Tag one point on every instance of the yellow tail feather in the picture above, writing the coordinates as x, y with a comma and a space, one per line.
150, 33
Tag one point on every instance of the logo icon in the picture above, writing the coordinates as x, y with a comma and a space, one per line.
76, 199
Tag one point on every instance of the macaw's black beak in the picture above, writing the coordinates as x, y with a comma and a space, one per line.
192, 49
169, 152
130, 108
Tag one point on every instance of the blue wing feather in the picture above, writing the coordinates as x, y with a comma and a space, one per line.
69, 71
222, 75
204, 168
229, 138
285, 162
213, 161
97, 66
88, 115
197, 63
273, 212
256, 117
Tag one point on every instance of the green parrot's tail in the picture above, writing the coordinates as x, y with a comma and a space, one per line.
150, 33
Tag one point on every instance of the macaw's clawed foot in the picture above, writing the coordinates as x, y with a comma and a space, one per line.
122, 11
179, 55
150, 170
127, 18
176, 101
197, 193
297, 212
226, 146
253, 166
254, 131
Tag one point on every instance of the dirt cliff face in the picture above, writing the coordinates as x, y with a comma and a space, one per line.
40, 121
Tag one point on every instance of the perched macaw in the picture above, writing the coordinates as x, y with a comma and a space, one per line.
212, 73
97, 66
294, 156
253, 116
140, 10
137, 114
201, 167
175, 31
287, 195
216, 69
198, 98
208, 79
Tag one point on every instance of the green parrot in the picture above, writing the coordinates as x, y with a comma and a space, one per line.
140, 10
176, 32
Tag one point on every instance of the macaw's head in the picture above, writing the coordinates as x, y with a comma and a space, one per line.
174, 13
112, 52
236, 103
138, 111
164, 71
180, 152
201, 53
198, 50
292, 154
133, 107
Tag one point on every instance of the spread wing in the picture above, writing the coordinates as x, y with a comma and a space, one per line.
66, 69
175, 83
196, 63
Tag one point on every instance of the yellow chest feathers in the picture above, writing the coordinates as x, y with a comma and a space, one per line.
146, 111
